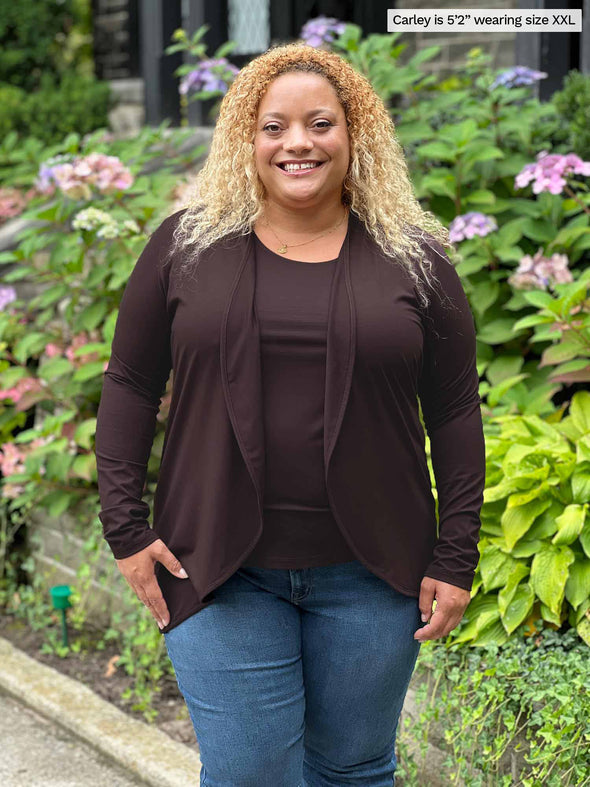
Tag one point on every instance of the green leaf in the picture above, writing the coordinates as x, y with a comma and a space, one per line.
503, 367
516, 520
569, 524
581, 483
495, 567
583, 628
17, 274
84, 466
497, 331
471, 264
505, 594
58, 465
519, 607
566, 350
51, 295
438, 151
88, 371
580, 411
550, 616
54, 368
481, 612
549, 573
85, 432
493, 634
479, 152
496, 392
540, 230
526, 547
539, 298
480, 197
532, 319
31, 344
567, 235
577, 587
439, 181
57, 502
92, 316
483, 295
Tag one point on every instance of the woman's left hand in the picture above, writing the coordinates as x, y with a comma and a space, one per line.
451, 603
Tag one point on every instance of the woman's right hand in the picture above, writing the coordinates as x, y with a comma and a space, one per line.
138, 570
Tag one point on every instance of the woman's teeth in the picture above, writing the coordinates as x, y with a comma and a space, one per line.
297, 167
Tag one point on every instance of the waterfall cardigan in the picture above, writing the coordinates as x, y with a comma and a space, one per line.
384, 351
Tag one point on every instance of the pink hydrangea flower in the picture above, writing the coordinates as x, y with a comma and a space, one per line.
550, 171
540, 272
52, 349
79, 177
20, 388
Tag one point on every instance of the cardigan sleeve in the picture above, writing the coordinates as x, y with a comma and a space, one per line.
133, 385
449, 395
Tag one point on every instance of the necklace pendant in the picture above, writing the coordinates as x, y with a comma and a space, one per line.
282, 249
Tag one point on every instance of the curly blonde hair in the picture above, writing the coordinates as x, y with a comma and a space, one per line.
229, 196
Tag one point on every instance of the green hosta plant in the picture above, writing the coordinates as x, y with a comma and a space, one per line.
535, 534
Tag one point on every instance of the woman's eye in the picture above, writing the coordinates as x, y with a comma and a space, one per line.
273, 127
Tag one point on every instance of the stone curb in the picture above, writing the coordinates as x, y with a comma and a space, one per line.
143, 750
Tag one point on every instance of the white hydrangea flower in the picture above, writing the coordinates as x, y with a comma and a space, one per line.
132, 226
91, 218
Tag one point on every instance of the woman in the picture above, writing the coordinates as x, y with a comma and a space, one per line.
307, 308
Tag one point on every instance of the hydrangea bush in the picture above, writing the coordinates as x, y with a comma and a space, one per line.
92, 215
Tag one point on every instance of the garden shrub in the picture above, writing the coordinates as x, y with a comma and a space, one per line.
30, 39
515, 714
573, 105
75, 103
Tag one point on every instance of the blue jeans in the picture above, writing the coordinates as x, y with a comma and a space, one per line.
297, 677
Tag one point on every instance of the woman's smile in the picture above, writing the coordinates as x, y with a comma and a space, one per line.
299, 170
302, 135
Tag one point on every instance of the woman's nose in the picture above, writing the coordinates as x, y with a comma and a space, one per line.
298, 139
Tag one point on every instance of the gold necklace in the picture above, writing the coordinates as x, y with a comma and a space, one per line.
283, 247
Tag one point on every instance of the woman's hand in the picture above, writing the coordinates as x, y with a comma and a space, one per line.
138, 570
451, 603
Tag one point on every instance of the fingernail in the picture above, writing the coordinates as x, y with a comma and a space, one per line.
424, 617
160, 625
183, 573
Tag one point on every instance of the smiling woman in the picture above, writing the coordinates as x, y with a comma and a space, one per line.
294, 487
302, 156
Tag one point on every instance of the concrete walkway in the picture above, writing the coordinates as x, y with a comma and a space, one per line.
36, 751
56, 732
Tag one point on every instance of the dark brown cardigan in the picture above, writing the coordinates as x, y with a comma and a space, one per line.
383, 351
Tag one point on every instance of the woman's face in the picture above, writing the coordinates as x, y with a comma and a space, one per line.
301, 120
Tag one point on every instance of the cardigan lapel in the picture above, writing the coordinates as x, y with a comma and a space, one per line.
341, 341
240, 358
240, 351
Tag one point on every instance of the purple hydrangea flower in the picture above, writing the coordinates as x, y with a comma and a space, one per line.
45, 181
7, 295
540, 272
212, 75
550, 171
468, 225
322, 29
517, 76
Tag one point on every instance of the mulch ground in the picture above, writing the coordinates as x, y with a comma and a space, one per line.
98, 671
